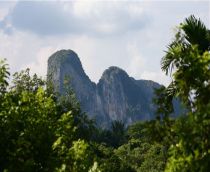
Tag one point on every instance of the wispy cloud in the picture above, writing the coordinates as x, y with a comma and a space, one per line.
130, 34
60, 18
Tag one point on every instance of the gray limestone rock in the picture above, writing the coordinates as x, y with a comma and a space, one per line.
115, 97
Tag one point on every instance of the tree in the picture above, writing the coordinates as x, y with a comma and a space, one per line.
27, 117
141, 152
39, 131
187, 61
4, 76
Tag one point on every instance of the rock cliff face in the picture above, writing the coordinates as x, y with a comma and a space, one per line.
115, 97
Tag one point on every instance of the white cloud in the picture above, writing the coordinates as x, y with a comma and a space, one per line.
157, 76
60, 18
3, 13
136, 60
131, 35
39, 65
5, 8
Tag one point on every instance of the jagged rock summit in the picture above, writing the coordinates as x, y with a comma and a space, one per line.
115, 97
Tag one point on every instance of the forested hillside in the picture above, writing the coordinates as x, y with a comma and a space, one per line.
41, 130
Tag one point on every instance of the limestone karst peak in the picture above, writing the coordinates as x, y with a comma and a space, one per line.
114, 71
116, 97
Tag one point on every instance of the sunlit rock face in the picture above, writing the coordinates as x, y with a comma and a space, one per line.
115, 97
65, 67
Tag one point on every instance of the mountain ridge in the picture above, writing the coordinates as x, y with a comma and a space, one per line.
116, 96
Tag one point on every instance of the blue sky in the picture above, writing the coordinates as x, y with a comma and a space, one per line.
130, 34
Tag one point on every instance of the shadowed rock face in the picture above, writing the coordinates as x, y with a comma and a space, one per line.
116, 96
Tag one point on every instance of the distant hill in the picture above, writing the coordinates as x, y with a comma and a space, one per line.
115, 97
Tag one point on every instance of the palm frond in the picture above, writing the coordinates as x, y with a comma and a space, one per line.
172, 54
196, 33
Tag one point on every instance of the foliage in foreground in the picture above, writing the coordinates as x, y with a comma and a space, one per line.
187, 60
37, 132
41, 132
